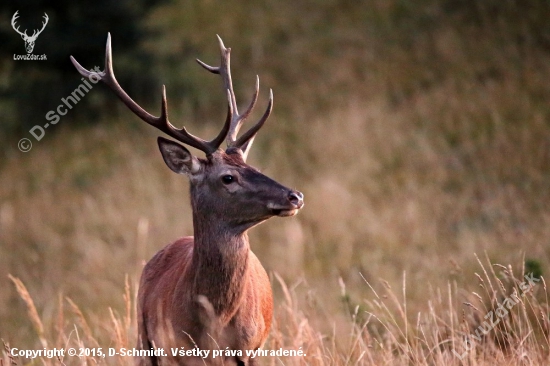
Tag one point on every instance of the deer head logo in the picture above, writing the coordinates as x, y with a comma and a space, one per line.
29, 40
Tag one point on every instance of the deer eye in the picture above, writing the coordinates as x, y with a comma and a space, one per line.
228, 179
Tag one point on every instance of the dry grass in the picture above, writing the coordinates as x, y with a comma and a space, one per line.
433, 148
92, 205
105, 203
377, 331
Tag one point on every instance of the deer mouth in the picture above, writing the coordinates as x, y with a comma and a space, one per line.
284, 212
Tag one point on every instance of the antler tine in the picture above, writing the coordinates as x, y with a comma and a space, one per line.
161, 122
227, 125
13, 24
44, 23
245, 141
252, 104
225, 71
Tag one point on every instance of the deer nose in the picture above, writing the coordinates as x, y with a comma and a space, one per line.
296, 198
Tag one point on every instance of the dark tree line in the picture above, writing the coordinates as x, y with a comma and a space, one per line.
30, 89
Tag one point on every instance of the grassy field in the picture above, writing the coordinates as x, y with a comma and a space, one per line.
422, 148
504, 324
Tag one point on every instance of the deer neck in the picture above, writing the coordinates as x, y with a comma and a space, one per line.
219, 264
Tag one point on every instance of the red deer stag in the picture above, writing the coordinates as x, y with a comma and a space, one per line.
209, 291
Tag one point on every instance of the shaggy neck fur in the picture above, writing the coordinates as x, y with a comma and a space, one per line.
220, 263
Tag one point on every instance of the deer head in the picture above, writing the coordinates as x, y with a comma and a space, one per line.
29, 40
224, 188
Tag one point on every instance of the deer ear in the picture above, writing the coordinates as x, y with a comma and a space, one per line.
178, 158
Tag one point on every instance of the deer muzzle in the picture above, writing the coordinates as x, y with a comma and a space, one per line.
294, 204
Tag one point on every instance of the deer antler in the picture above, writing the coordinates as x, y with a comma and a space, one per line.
224, 70
13, 19
36, 33
24, 34
160, 122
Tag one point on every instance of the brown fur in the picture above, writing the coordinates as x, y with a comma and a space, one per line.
211, 291
243, 325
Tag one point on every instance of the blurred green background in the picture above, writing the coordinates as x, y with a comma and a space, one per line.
419, 132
